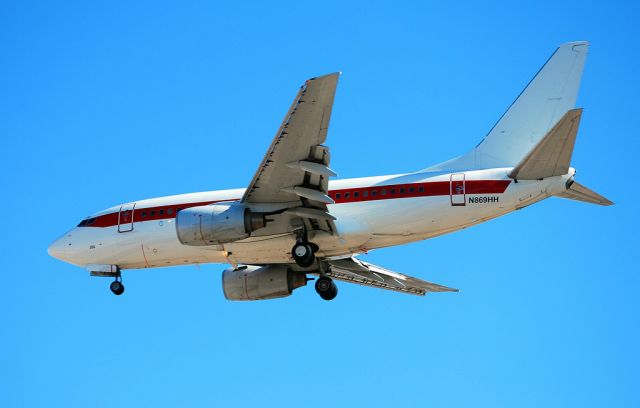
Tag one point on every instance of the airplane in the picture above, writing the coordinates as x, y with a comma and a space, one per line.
292, 221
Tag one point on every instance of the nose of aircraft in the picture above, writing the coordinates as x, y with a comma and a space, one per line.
57, 249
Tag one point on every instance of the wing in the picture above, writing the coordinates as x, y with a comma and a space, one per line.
295, 171
363, 273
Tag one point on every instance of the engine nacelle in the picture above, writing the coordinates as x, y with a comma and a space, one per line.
216, 224
261, 282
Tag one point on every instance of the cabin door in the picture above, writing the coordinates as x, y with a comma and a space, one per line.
457, 189
125, 217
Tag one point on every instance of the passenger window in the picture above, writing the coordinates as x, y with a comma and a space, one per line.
144, 214
346, 196
365, 193
383, 191
356, 194
338, 195
161, 212
411, 189
153, 213
401, 190
421, 189
374, 193
393, 191
170, 211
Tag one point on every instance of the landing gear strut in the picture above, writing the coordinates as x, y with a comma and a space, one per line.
326, 288
117, 287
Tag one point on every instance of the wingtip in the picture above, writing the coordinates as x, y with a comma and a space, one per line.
337, 73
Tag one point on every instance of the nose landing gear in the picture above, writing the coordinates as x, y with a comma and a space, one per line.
109, 271
117, 287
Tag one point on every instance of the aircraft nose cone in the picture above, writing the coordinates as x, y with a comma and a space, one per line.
57, 249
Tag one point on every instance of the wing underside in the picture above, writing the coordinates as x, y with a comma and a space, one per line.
295, 171
356, 271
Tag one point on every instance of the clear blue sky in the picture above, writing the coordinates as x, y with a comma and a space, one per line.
107, 103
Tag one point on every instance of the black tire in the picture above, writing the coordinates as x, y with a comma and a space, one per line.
303, 254
326, 288
117, 288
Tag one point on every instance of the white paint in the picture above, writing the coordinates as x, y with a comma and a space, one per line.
363, 226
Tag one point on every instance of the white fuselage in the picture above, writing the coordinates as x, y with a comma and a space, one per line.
377, 212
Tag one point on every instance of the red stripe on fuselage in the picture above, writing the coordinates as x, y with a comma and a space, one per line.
148, 214
340, 196
429, 189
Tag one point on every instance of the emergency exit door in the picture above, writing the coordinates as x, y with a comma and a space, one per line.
125, 217
457, 189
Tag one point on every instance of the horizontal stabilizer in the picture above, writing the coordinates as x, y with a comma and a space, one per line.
579, 192
552, 155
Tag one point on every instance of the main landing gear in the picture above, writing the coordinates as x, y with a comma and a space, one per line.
117, 287
326, 288
303, 252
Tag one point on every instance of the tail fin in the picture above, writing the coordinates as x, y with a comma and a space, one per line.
546, 99
577, 191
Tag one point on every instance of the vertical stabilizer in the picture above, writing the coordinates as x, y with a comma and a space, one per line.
545, 100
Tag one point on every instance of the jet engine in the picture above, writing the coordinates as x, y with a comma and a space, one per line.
217, 224
261, 282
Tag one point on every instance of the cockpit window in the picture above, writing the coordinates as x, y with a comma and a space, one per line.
87, 222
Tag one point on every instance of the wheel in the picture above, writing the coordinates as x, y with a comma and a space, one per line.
117, 287
326, 288
302, 253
